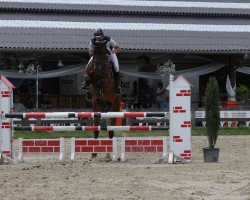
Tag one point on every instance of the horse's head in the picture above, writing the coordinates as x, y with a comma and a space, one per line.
100, 51
101, 62
101, 65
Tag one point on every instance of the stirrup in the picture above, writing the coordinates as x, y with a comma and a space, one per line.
85, 87
99, 93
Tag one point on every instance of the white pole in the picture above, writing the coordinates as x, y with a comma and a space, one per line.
72, 152
61, 149
37, 86
1, 139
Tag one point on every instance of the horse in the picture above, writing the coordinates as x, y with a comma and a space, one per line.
103, 86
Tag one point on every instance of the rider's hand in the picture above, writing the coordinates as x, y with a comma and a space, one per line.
116, 49
91, 53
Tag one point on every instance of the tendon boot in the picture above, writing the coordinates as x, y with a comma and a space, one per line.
117, 80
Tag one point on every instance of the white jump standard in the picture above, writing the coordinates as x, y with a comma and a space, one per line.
6, 105
180, 118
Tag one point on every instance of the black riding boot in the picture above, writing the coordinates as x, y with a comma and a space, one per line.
85, 85
117, 79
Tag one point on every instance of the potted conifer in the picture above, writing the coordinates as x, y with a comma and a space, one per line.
211, 154
242, 93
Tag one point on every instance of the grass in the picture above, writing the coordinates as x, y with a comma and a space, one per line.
224, 131
80, 134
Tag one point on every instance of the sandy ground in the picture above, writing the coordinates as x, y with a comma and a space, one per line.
138, 178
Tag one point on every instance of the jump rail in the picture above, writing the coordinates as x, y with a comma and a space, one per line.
78, 115
89, 128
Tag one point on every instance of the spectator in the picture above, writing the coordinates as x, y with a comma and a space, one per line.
136, 103
147, 97
18, 105
135, 89
26, 87
45, 102
165, 104
201, 102
160, 94
29, 104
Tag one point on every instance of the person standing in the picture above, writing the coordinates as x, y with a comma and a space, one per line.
160, 94
18, 105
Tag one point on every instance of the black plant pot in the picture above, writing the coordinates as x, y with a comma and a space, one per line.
211, 154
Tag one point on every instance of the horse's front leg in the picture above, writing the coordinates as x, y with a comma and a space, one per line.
100, 86
96, 134
114, 108
112, 123
96, 108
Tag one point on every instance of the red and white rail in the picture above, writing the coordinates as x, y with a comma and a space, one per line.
89, 128
78, 115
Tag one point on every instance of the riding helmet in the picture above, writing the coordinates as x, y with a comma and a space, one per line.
98, 32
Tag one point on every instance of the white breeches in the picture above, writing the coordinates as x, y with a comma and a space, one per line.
113, 58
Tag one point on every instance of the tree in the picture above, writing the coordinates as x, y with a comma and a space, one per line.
212, 111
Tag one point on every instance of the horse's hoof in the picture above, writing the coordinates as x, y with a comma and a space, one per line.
108, 156
94, 155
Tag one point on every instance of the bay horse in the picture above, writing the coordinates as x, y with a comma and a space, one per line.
103, 86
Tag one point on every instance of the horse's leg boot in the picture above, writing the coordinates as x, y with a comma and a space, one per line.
117, 80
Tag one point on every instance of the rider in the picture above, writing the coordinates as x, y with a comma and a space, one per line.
112, 49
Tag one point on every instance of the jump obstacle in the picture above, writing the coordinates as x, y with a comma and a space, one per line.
179, 116
40, 146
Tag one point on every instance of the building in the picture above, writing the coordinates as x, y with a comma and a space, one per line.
206, 37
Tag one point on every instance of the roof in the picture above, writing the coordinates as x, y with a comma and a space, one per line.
7, 82
149, 26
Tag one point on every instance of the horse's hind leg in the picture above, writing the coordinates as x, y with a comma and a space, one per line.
112, 123
111, 133
96, 123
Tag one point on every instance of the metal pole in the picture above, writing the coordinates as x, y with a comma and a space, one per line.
37, 86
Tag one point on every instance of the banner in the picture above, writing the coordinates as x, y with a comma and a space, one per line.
74, 69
